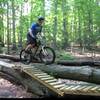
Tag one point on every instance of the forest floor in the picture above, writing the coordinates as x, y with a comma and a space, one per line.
85, 55
9, 90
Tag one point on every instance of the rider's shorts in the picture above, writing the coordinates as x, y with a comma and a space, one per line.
31, 40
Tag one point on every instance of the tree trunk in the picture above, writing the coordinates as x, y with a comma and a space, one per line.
79, 63
21, 27
65, 24
8, 28
62, 62
55, 23
79, 28
43, 13
13, 18
18, 77
81, 73
15, 58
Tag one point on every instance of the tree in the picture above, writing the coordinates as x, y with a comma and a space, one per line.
8, 28
13, 19
65, 9
55, 23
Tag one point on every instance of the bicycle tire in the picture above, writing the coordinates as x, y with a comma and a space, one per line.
53, 53
25, 61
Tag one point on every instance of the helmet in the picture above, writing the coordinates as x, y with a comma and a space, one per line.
41, 18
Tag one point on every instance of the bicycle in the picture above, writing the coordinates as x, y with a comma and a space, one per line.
45, 54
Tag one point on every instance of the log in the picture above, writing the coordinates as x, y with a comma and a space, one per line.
11, 57
14, 58
18, 77
78, 63
80, 73
64, 62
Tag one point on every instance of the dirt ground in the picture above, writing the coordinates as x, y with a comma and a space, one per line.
84, 56
9, 90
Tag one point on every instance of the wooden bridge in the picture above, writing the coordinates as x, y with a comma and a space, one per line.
50, 82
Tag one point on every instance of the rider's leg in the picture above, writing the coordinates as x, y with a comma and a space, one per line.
34, 46
29, 46
30, 43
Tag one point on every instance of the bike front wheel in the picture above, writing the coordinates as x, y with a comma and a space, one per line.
25, 57
47, 55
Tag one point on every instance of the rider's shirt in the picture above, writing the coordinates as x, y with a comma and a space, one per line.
36, 28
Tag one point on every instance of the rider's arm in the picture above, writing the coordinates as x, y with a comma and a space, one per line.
40, 32
30, 32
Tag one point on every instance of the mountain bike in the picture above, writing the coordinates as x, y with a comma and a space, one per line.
43, 53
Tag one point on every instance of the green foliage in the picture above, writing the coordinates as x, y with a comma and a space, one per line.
63, 55
67, 21
2, 11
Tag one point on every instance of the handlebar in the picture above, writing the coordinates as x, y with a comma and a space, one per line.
41, 39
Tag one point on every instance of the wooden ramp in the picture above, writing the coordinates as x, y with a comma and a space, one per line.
82, 89
45, 79
62, 88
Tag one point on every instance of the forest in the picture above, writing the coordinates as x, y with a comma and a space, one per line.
71, 30
68, 22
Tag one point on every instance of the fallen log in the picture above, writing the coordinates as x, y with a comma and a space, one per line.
11, 57
66, 63
14, 58
78, 63
8, 72
80, 73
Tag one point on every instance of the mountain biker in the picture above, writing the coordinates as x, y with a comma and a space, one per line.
35, 29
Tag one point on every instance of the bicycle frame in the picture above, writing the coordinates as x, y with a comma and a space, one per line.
40, 46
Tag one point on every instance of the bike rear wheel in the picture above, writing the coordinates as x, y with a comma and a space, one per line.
47, 55
25, 57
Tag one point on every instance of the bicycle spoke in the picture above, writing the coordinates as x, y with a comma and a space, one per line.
47, 55
25, 57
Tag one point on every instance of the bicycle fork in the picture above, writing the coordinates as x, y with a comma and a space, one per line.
44, 51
